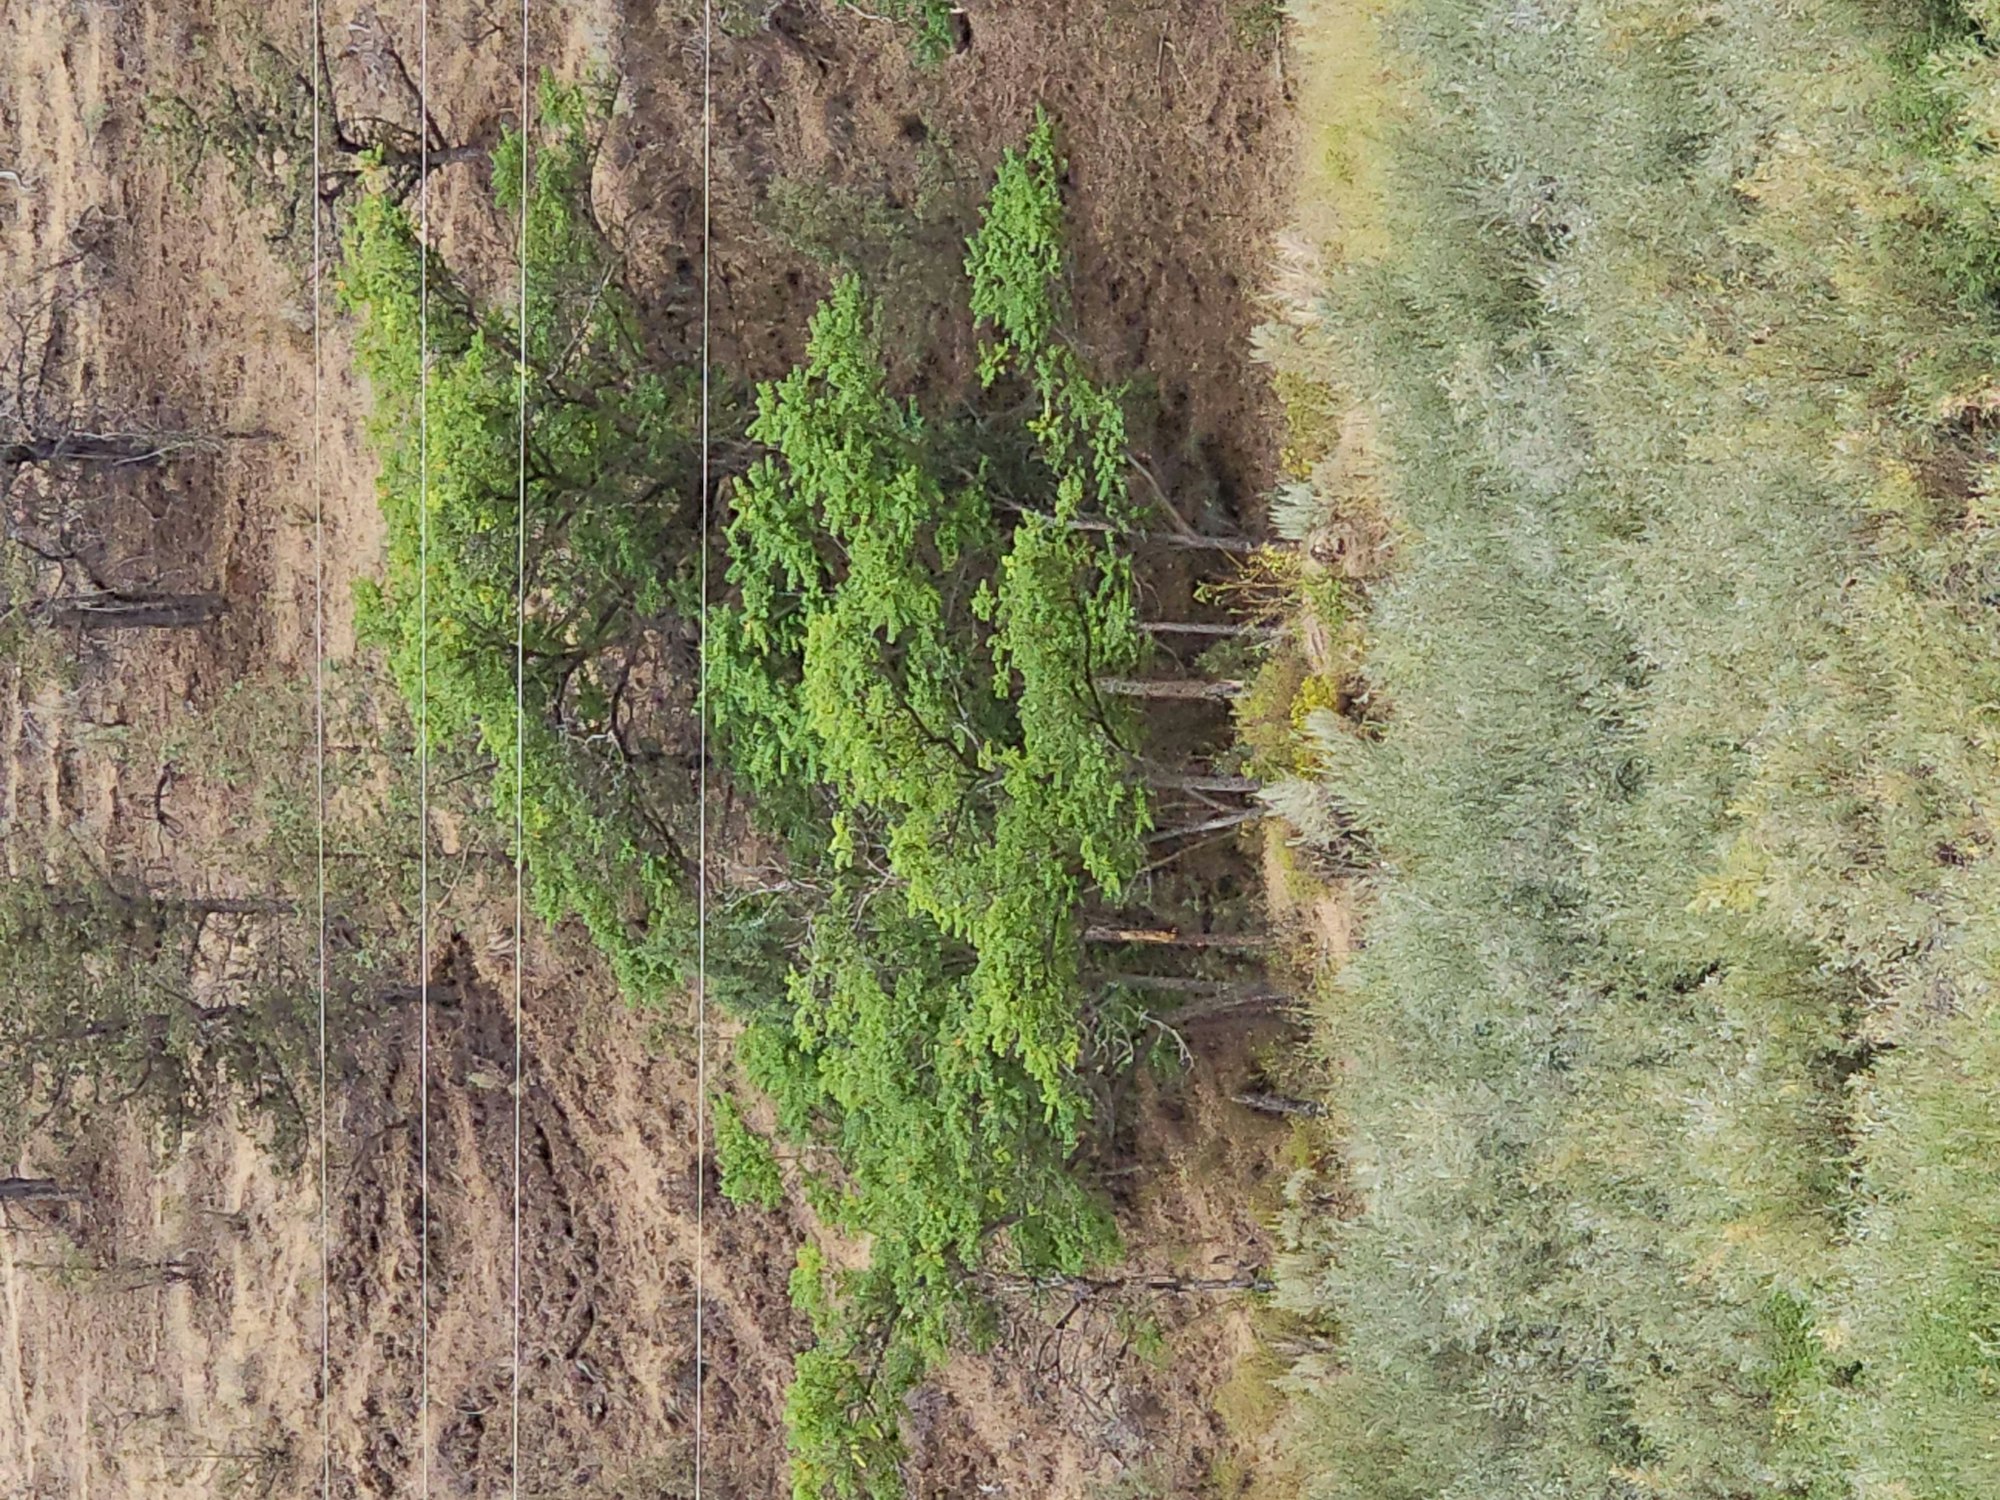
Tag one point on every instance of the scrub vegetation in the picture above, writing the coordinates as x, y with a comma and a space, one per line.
1666, 1077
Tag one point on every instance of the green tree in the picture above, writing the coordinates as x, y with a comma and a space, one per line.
907, 675
612, 485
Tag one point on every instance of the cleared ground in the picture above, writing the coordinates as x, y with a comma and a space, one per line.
161, 1339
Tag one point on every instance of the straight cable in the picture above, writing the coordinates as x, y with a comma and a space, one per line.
701, 785
424, 744
319, 793
520, 762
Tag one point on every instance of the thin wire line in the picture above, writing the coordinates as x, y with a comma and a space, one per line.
520, 759
701, 784
424, 739
319, 795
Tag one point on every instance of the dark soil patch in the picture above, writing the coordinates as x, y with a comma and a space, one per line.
1178, 147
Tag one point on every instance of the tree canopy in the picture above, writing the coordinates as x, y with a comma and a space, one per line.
906, 676
612, 485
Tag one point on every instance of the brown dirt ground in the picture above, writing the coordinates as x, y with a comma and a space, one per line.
117, 1384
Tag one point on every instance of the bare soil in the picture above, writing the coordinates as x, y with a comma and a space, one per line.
161, 1339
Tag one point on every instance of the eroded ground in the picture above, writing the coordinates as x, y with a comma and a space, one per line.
161, 1340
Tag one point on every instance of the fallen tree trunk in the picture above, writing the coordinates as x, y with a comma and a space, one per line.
1143, 1281
1226, 820
1180, 781
1177, 689
36, 1190
94, 612
91, 447
1167, 937
1279, 1104
1191, 627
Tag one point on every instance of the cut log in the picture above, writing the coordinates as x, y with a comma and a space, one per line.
137, 611
35, 1190
1177, 689
1167, 937
1193, 627
1280, 1104
1178, 781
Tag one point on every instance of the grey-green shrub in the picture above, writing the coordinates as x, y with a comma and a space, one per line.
1675, 1096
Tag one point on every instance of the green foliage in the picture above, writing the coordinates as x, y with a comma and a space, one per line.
929, 27
933, 33
860, 663
838, 225
1020, 300
1258, 23
945, 1162
906, 681
750, 1173
1671, 1043
611, 479
903, 675
844, 1435
1016, 261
